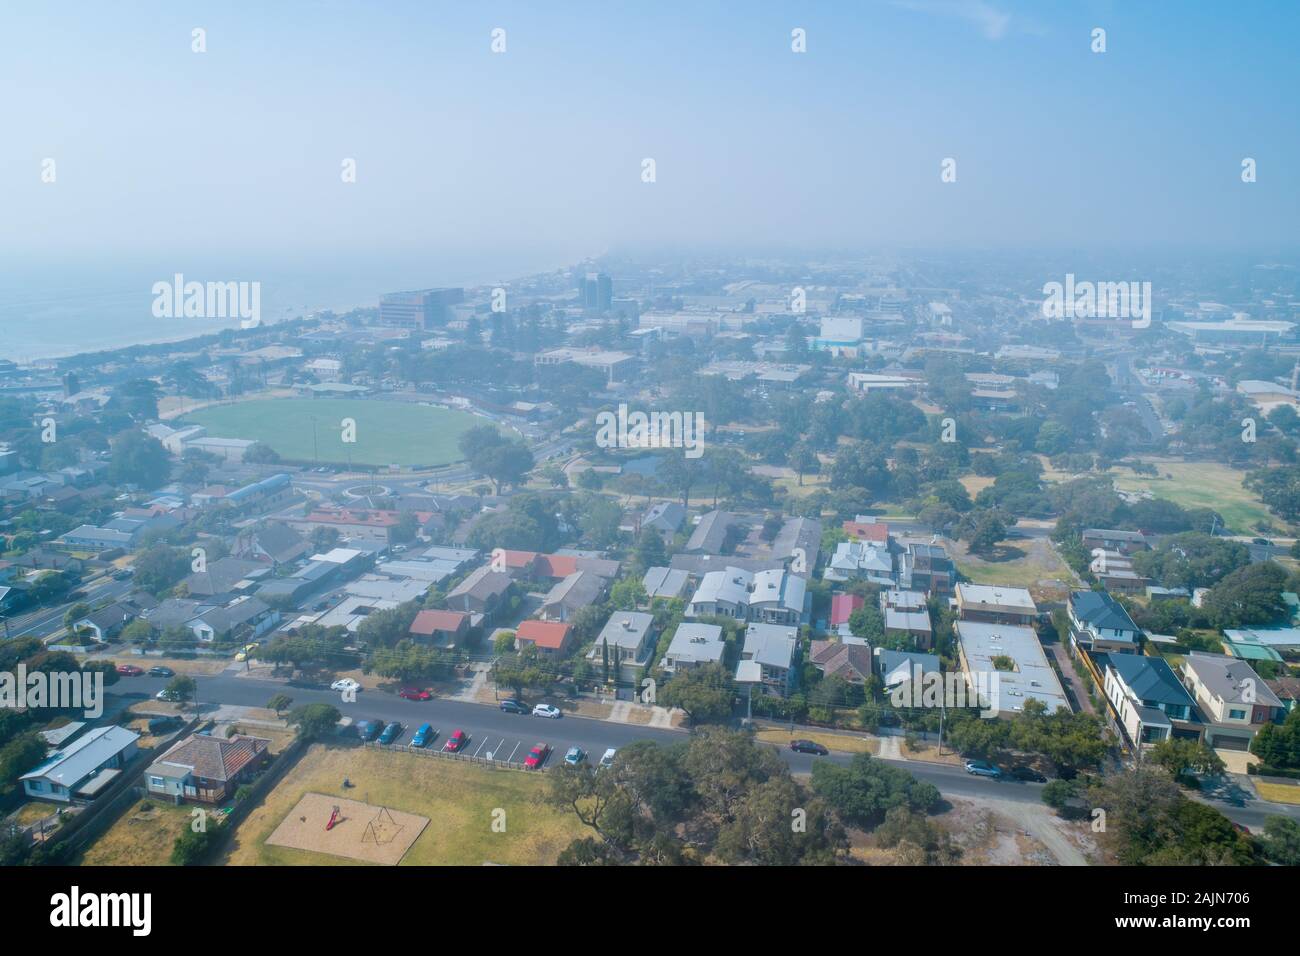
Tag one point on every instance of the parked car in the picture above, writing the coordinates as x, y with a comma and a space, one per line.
123, 574
390, 733
575, 756
456, 742
160, 671
345, 684
424, 734
981, 768
245, 651
167, 695
607, 759
808, 747
511, 706
546, 710
161, 725
414, 693
1264, 541
537, 756
1028, 774
129, 670
369, 729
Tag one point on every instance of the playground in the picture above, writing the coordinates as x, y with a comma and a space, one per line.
349, 828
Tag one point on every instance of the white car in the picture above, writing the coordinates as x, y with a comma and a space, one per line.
546, 710
608, 759
345, 684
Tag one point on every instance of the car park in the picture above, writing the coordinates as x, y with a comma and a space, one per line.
391, 733
537, 757
414, 693
511, 706
424, 735
981, 768
456, 742
575, 756
546, 710
808, 747
129, 670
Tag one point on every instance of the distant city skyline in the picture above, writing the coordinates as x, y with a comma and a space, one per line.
241, 151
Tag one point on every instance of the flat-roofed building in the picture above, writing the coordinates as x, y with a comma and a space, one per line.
1014, 654
995, 604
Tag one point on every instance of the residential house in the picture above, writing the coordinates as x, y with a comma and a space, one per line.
1147, 699
664, 517
205, 768
1013, 654
107, 622
82, 769
907, 617
629, 638
1106, 539
483, 591
549, 637
694, 644
245, 618
861, 560
1235, 701
995, 604
927, 567
665, 583
896, 668
440, 627
850, 662
570, 595
769, 658
273, 543
713, 533
842, 608
798, 544
1099, 622
223, 577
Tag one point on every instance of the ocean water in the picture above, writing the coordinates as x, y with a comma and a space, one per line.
51, 310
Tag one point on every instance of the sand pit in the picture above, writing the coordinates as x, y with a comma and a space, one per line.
364, 832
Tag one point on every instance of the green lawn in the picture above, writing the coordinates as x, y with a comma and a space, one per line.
387, 433
459, 799
1202, 484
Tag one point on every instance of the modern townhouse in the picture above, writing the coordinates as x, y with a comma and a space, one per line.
694, 644
769, 659
1148, 701
1098, 622
1235, 701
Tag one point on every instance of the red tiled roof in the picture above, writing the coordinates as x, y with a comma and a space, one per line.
550, 635
843, 605
874, 531
558, 565
519, 559
428, 623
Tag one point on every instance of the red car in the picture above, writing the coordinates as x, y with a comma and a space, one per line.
456, 741
537, 756
412, 693
129, 670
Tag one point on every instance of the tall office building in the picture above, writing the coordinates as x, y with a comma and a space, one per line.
422, 309
596, 292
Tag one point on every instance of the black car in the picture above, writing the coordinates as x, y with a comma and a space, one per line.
512, 706
161, 671
1028, 774
808, 747
1264, 541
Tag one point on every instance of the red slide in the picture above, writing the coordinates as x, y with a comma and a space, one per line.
334, 818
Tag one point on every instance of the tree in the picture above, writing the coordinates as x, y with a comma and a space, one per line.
1282, 839
503, 643
705, 693
261, 454
314, 720
867, 788
1248, 596
138, 459
503, 460
158, 568
1181, 757
19, 756
279, 703
75, 613
192, 848
181, 688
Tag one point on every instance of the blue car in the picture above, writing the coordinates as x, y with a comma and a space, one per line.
369, 729
982, 768
390, 733
424, 735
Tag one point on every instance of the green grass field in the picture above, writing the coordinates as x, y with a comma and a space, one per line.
388, 433
1202, 484
458, 798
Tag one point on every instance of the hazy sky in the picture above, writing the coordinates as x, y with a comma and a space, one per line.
238, 150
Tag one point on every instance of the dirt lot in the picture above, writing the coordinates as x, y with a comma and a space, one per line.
143, 836
362, 832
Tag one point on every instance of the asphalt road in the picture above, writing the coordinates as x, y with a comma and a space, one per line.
45, 622
509, 737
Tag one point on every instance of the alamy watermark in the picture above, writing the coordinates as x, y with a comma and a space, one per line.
1098, 300
954, 690
59, 690
624, 429
179, 299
